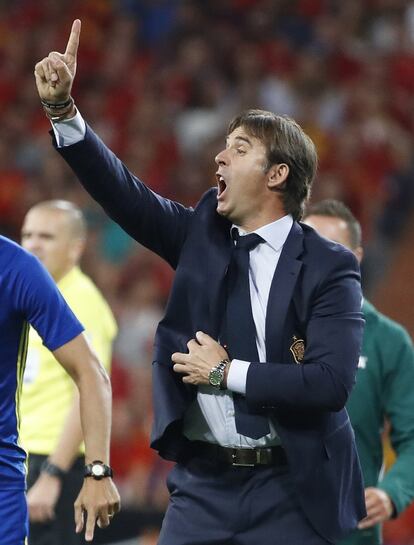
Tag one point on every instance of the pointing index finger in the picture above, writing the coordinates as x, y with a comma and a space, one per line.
73, 42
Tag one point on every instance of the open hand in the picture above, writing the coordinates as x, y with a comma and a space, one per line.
42, 498
55, 73
98, 501
203, 354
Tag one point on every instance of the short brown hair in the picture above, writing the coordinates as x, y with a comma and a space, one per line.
285, 142
337, 209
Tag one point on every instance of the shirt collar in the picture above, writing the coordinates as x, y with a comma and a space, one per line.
275, 233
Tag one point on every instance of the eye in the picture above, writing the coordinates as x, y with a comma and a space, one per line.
240, 151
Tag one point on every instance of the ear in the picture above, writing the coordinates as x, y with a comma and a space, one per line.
277, 176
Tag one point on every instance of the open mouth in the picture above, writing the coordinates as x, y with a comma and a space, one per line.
221, 185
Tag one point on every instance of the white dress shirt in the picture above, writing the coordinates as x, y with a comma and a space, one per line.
211, 415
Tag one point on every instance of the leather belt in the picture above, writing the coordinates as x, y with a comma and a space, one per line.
238, 457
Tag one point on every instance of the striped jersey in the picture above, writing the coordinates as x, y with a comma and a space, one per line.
28, 295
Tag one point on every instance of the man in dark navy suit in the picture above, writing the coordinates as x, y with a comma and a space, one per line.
257, 352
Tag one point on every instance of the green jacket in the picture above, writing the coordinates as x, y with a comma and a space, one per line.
384, 389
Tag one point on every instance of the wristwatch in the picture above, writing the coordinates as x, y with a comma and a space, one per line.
97, 470
216, 375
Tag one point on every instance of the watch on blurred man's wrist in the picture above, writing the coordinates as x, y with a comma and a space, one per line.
97, 470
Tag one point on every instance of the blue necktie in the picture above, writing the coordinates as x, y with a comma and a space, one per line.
240, 330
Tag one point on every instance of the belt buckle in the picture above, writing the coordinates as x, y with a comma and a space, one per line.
235, 459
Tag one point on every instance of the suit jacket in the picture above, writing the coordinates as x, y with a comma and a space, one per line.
315, 298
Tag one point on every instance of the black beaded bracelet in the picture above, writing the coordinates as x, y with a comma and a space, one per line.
57, 105
57, 116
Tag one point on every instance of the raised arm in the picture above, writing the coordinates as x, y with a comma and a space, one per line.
158, 223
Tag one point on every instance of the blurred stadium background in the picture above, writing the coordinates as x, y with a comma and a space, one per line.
159, 80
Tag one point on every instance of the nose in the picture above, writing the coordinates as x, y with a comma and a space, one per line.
221, 158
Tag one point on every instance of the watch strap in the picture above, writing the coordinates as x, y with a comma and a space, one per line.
223, 364
52, 469
219, 369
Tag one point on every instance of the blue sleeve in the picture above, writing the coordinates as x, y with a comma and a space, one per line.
42, 304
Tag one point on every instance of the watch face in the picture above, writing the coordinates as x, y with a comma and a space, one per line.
215, 377
97, 470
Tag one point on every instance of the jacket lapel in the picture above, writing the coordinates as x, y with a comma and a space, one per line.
218, 260
281, 291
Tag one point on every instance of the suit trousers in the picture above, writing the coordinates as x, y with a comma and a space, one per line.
60, 530
213, 504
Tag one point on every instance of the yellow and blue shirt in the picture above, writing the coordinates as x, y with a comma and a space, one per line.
47, 389
28, 295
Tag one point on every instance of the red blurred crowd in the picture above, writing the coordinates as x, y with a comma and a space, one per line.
159, 80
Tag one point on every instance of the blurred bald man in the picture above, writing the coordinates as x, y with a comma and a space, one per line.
55, 232
383, 390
